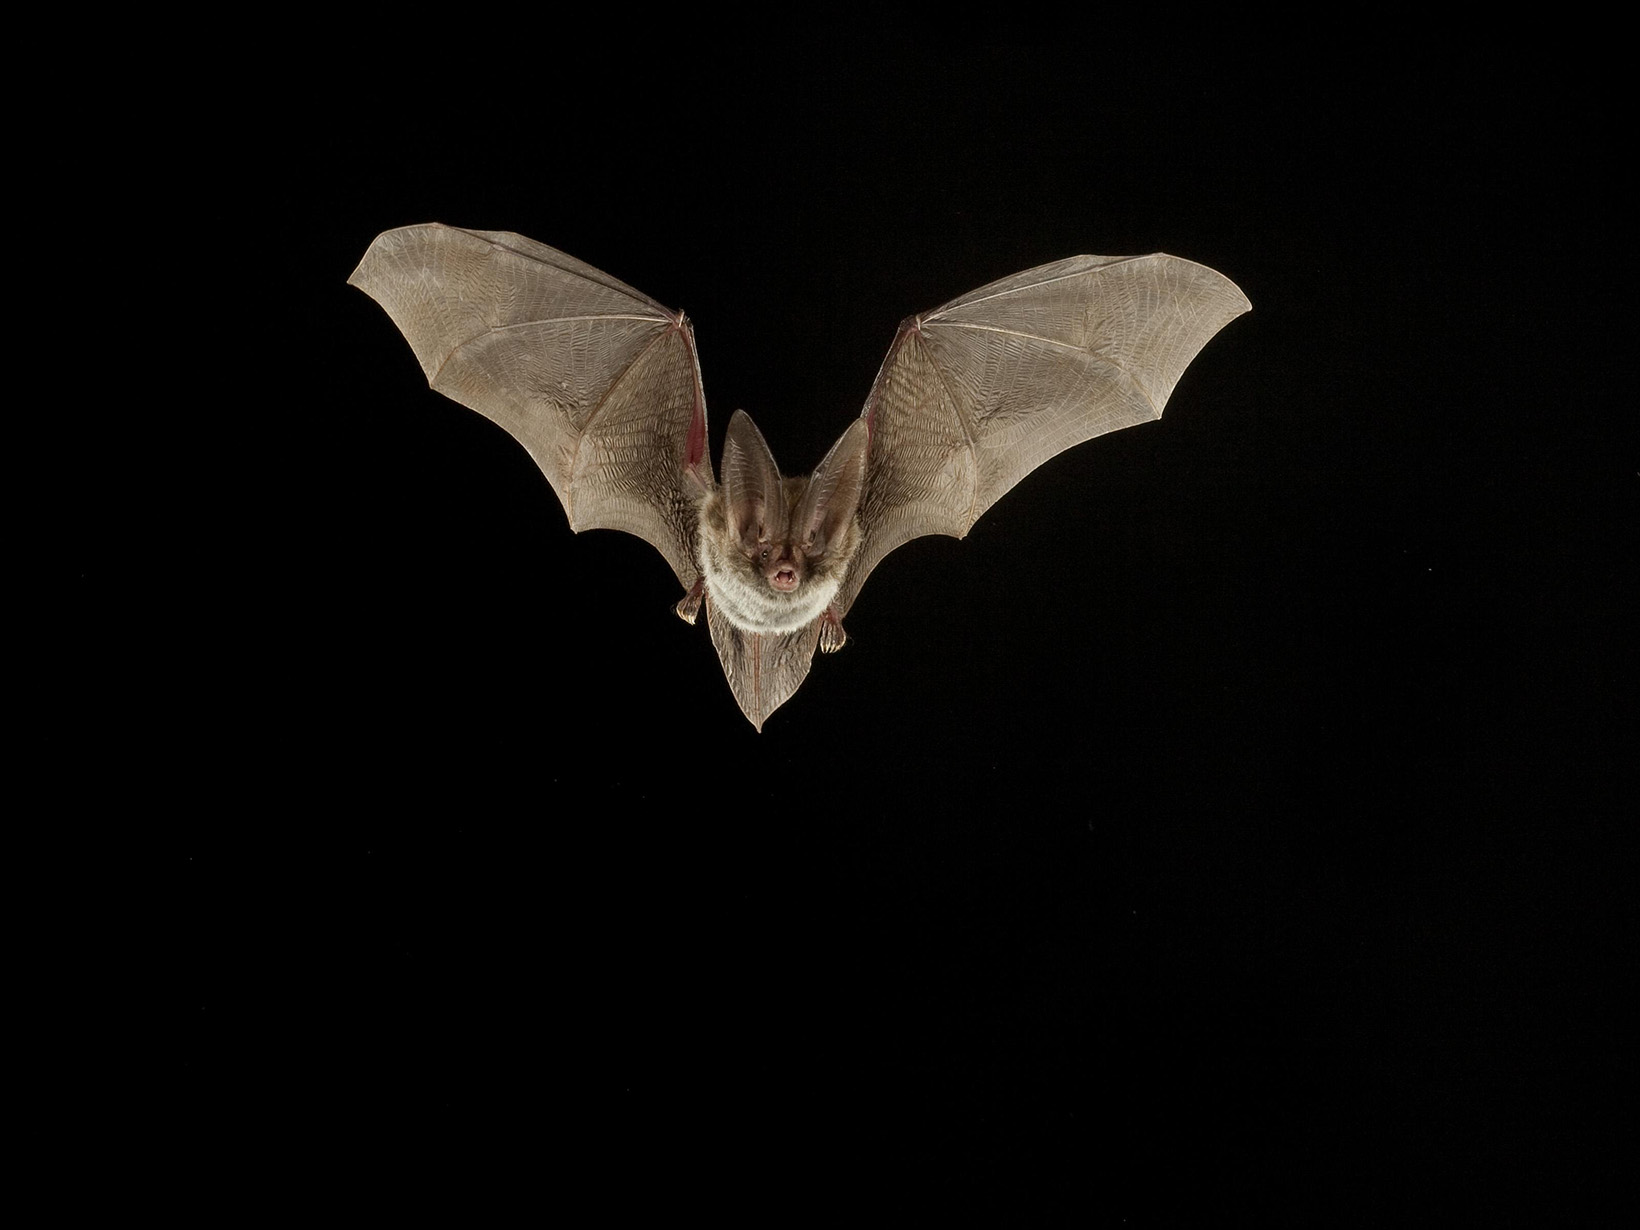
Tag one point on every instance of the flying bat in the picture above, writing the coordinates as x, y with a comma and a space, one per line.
602, 386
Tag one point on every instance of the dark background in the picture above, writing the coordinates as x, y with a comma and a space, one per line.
1230, 820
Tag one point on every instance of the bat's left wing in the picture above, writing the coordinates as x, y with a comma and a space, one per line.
598, 381
975, 395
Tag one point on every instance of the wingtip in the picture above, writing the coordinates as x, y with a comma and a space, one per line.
358, 277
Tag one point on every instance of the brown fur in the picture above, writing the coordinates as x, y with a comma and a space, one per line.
738, 584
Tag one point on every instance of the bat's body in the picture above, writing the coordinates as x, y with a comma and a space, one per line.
748, 598
602, 386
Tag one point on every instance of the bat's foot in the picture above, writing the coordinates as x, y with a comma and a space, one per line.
832, 636
689, 605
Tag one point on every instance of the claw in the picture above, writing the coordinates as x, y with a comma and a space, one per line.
832, 636
689, 605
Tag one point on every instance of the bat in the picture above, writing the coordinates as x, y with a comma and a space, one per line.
602, 386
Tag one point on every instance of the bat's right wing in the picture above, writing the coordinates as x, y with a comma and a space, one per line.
598, 381
976, 394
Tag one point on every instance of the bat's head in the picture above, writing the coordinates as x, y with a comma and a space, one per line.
785, 535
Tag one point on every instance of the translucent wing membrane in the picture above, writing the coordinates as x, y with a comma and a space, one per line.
596, 380
976, 394
602, 385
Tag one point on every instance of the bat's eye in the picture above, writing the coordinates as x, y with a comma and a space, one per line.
765, 554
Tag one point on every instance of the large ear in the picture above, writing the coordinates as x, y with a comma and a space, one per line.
834, 491
751, 485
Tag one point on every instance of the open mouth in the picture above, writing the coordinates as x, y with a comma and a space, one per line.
785, 580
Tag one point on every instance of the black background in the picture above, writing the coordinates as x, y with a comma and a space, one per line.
1230, 821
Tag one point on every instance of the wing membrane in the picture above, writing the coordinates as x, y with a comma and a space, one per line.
976, 394
596, 380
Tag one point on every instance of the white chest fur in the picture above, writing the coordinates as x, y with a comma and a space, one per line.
752, 606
